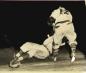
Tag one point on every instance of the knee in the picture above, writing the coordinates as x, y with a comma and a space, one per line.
56, 46
73, 45
30, 54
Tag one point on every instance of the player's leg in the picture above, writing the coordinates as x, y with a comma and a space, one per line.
73, 49
16, 63
57, 42
23, 49
72, 42
17, 56
22, 57
55, 52
14, 60
28, 54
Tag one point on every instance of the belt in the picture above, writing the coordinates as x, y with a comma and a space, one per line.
61, 23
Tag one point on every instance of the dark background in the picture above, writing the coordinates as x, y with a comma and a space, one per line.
27, 21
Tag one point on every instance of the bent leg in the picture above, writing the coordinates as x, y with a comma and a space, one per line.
55, 52
73, 43
16, 61
17, 56
57, 41
24, 56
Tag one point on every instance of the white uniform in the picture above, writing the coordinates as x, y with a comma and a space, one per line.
64, 29
37, 50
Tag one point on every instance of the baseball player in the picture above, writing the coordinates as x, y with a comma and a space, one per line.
61, 20
29, 49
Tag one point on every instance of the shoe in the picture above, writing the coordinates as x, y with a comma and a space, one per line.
14, 64
54, 59
73, 59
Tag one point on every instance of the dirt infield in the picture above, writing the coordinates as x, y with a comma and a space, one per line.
62, 64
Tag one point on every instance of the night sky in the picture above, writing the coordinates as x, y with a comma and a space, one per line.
27, 21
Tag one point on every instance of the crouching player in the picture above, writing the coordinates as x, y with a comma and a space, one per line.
61, 21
